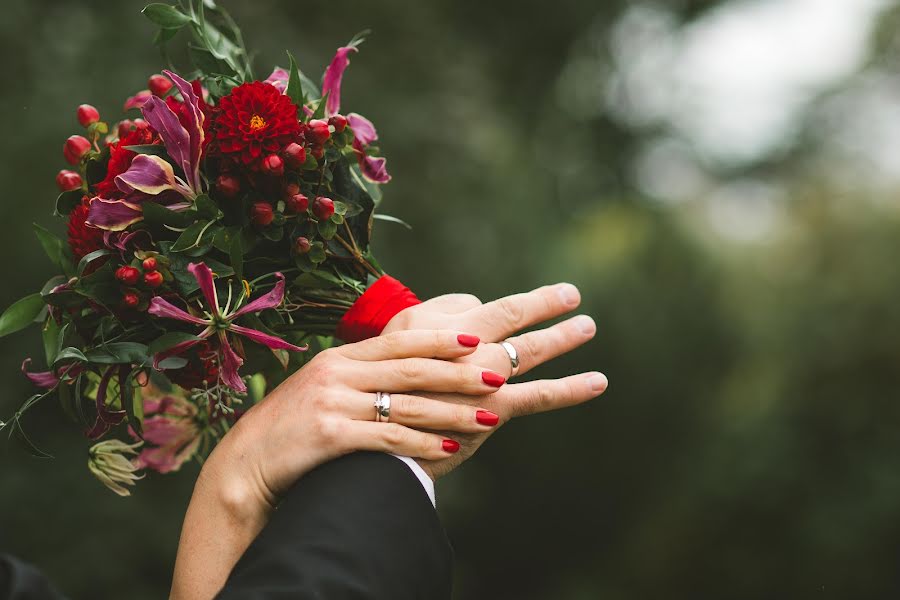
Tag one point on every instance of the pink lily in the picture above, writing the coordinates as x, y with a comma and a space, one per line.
50, 379
373, 168
171, 424
220, 321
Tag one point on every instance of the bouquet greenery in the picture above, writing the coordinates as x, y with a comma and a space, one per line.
210, 241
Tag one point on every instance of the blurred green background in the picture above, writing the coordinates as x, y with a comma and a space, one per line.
719, 178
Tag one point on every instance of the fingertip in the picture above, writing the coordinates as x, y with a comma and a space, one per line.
596, 383
585, 325
568, 294
467, 340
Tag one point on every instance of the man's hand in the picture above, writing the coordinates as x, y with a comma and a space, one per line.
494, 322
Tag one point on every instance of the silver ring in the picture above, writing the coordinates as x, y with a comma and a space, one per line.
382, 407
513, 357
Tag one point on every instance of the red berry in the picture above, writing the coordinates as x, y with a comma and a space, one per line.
159, 85
339, 122
128, 274
302, 245
318, 151
228, 185
273, 165
125, 126
130, 299
296, 204
87, 115
317, 131
323, 208
67, 181
149, 263
76, 147
153, 279
294, 154
261, 213
291, 189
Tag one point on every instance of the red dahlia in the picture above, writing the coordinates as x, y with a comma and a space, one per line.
82, 238
255, 120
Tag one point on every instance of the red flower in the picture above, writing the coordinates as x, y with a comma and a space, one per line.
120, 159
82, 238
255, 120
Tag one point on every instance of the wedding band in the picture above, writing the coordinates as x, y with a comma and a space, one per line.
382, 407
513, 357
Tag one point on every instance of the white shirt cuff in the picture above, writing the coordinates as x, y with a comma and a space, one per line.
421, 475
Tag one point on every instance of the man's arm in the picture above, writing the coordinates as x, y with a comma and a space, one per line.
359, 527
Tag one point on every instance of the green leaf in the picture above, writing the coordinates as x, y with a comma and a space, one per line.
167, 17
294, 89
320, 108
156, 214
178, 263
317, 253
191, 237
119, 353
153, 149
67, 201
163, 36
54, 248
340, 208
21, 314
71, 354
236, 254
391, 219
50, 336
91, 257
170, 339
327, 229
206, 208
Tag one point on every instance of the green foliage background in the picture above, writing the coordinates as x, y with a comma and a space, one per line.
749, 444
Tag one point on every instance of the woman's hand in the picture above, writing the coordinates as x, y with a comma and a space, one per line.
322, 411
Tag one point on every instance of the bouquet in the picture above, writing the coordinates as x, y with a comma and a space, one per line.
214, 234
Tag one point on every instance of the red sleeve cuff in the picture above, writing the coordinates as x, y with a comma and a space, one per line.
371, 313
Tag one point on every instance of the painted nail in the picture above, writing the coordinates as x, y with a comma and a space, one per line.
486, 417
450, 446
585, 325
597, 382
569, 295
492, 379
469, 341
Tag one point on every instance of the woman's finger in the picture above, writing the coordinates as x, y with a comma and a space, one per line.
520, 399
497, 320
423, 343
426, 413
423, 374
395, 439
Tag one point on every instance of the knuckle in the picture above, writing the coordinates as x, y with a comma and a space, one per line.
525, 347
412, 407
511, 310
331, 430
545, 397
409, 369
466, 300
394, 435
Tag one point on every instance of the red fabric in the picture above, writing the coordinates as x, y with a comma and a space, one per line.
370, 314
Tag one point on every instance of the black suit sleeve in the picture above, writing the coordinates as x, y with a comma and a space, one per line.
21, 581
360, 527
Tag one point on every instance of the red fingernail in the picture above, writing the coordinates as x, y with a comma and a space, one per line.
486, 417
469, 341
492, 379
450, 446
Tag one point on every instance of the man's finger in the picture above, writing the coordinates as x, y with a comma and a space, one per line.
519, 399
497, 320
536, 347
